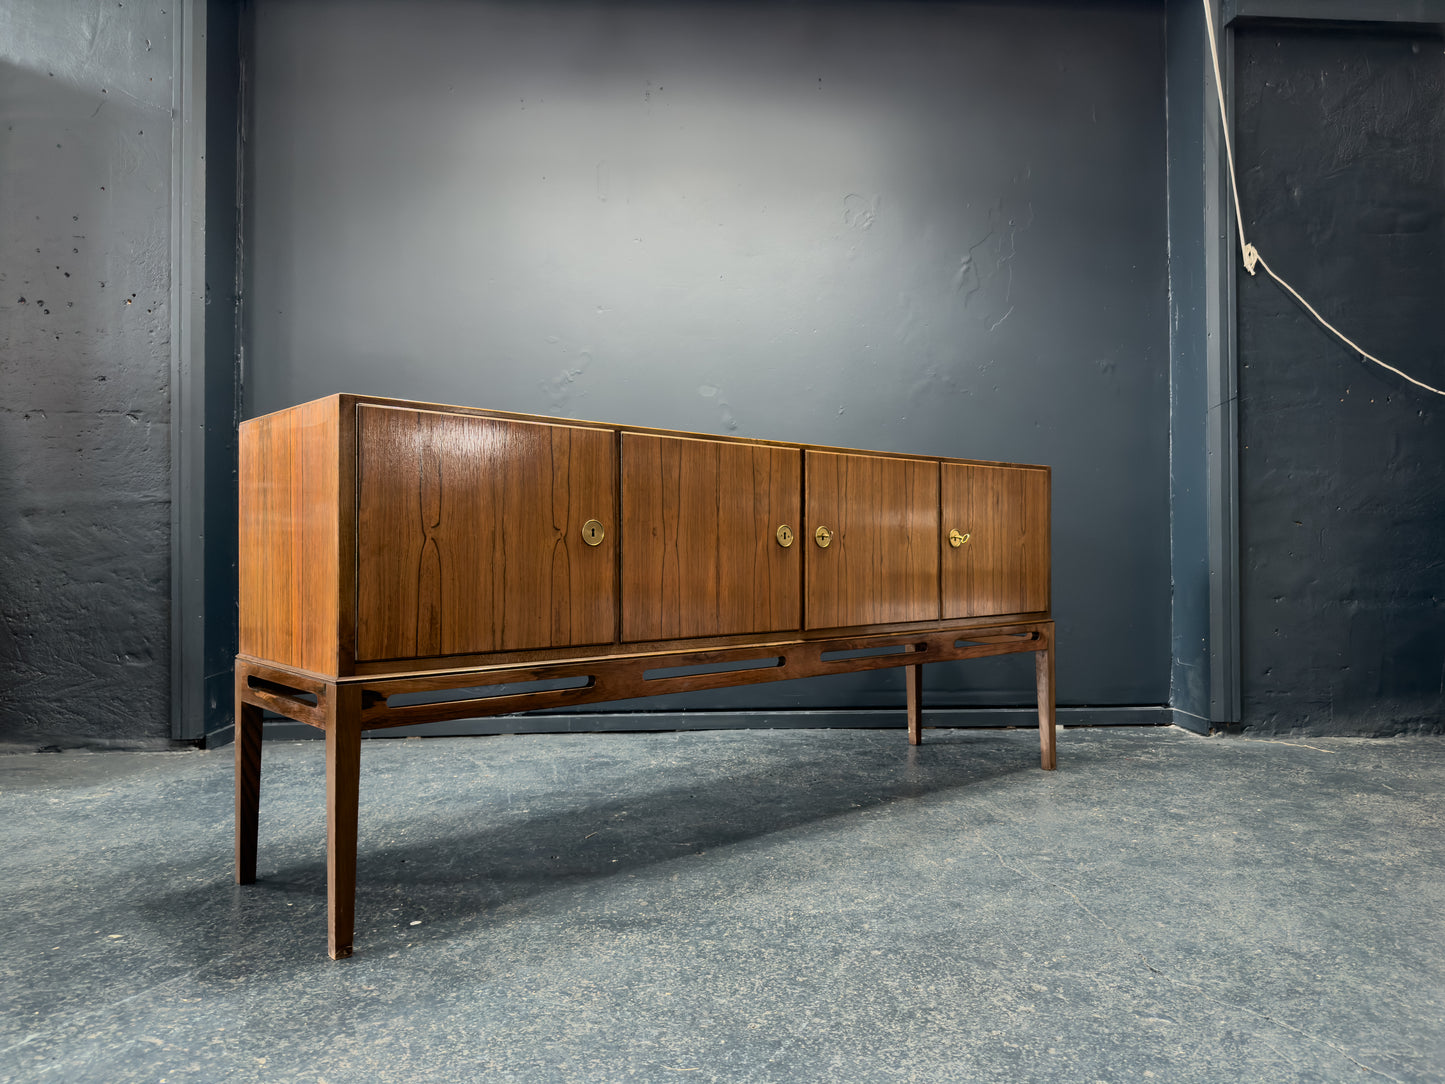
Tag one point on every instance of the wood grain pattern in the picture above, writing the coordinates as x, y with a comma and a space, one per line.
620, 678
294, 694
453, 662
913, 680
248, 781
1004, 566
700, 555
469, 534
511, 415
343, 797
290, 538
1044, 671
882, 564
346, 573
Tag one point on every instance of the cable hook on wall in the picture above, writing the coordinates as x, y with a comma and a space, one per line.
1248, 253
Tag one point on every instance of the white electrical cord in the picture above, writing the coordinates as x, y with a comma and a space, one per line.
1248, 252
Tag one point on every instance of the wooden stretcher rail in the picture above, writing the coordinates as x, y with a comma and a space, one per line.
345, 707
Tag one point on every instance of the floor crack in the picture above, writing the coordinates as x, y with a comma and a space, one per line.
1296, 744
25, 1041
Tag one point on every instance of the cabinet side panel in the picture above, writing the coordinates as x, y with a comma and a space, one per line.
264, 607
881, 564
1038, 541
1003, 568
701, 555
289, 545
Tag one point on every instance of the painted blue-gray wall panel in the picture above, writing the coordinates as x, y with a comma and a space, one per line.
222, 388
1191, 105
932, 227
85, 172
1342, 492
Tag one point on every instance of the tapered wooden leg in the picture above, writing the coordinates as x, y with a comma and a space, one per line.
913, 677
343, 779
1044, 670
248, 782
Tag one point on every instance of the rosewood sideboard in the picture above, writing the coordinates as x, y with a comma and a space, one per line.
406, 562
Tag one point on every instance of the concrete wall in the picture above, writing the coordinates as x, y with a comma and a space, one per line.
930, 227
1342, 494
85, 167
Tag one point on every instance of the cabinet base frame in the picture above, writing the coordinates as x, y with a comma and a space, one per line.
344, 707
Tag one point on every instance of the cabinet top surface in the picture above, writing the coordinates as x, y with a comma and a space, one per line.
347, 402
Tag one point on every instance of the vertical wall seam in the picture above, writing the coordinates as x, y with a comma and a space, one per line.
187, 390
177, 364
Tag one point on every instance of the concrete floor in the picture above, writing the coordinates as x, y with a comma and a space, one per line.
738, 906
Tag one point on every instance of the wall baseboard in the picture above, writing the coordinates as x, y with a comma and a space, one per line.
1195, 724
278, 729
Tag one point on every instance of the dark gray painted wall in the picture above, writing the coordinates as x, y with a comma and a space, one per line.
926, 227
1190, 107
223, 376
85, 169
1342, 494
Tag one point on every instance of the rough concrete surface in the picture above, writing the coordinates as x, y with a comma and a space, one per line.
738, 906
1342, 501
85, 174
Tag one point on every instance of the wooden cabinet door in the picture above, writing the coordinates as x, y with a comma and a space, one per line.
881, 563
701, 556
1003, 568
470, 534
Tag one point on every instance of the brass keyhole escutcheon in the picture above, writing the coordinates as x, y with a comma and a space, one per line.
955, 539
592, 533
823, 536
785, 536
